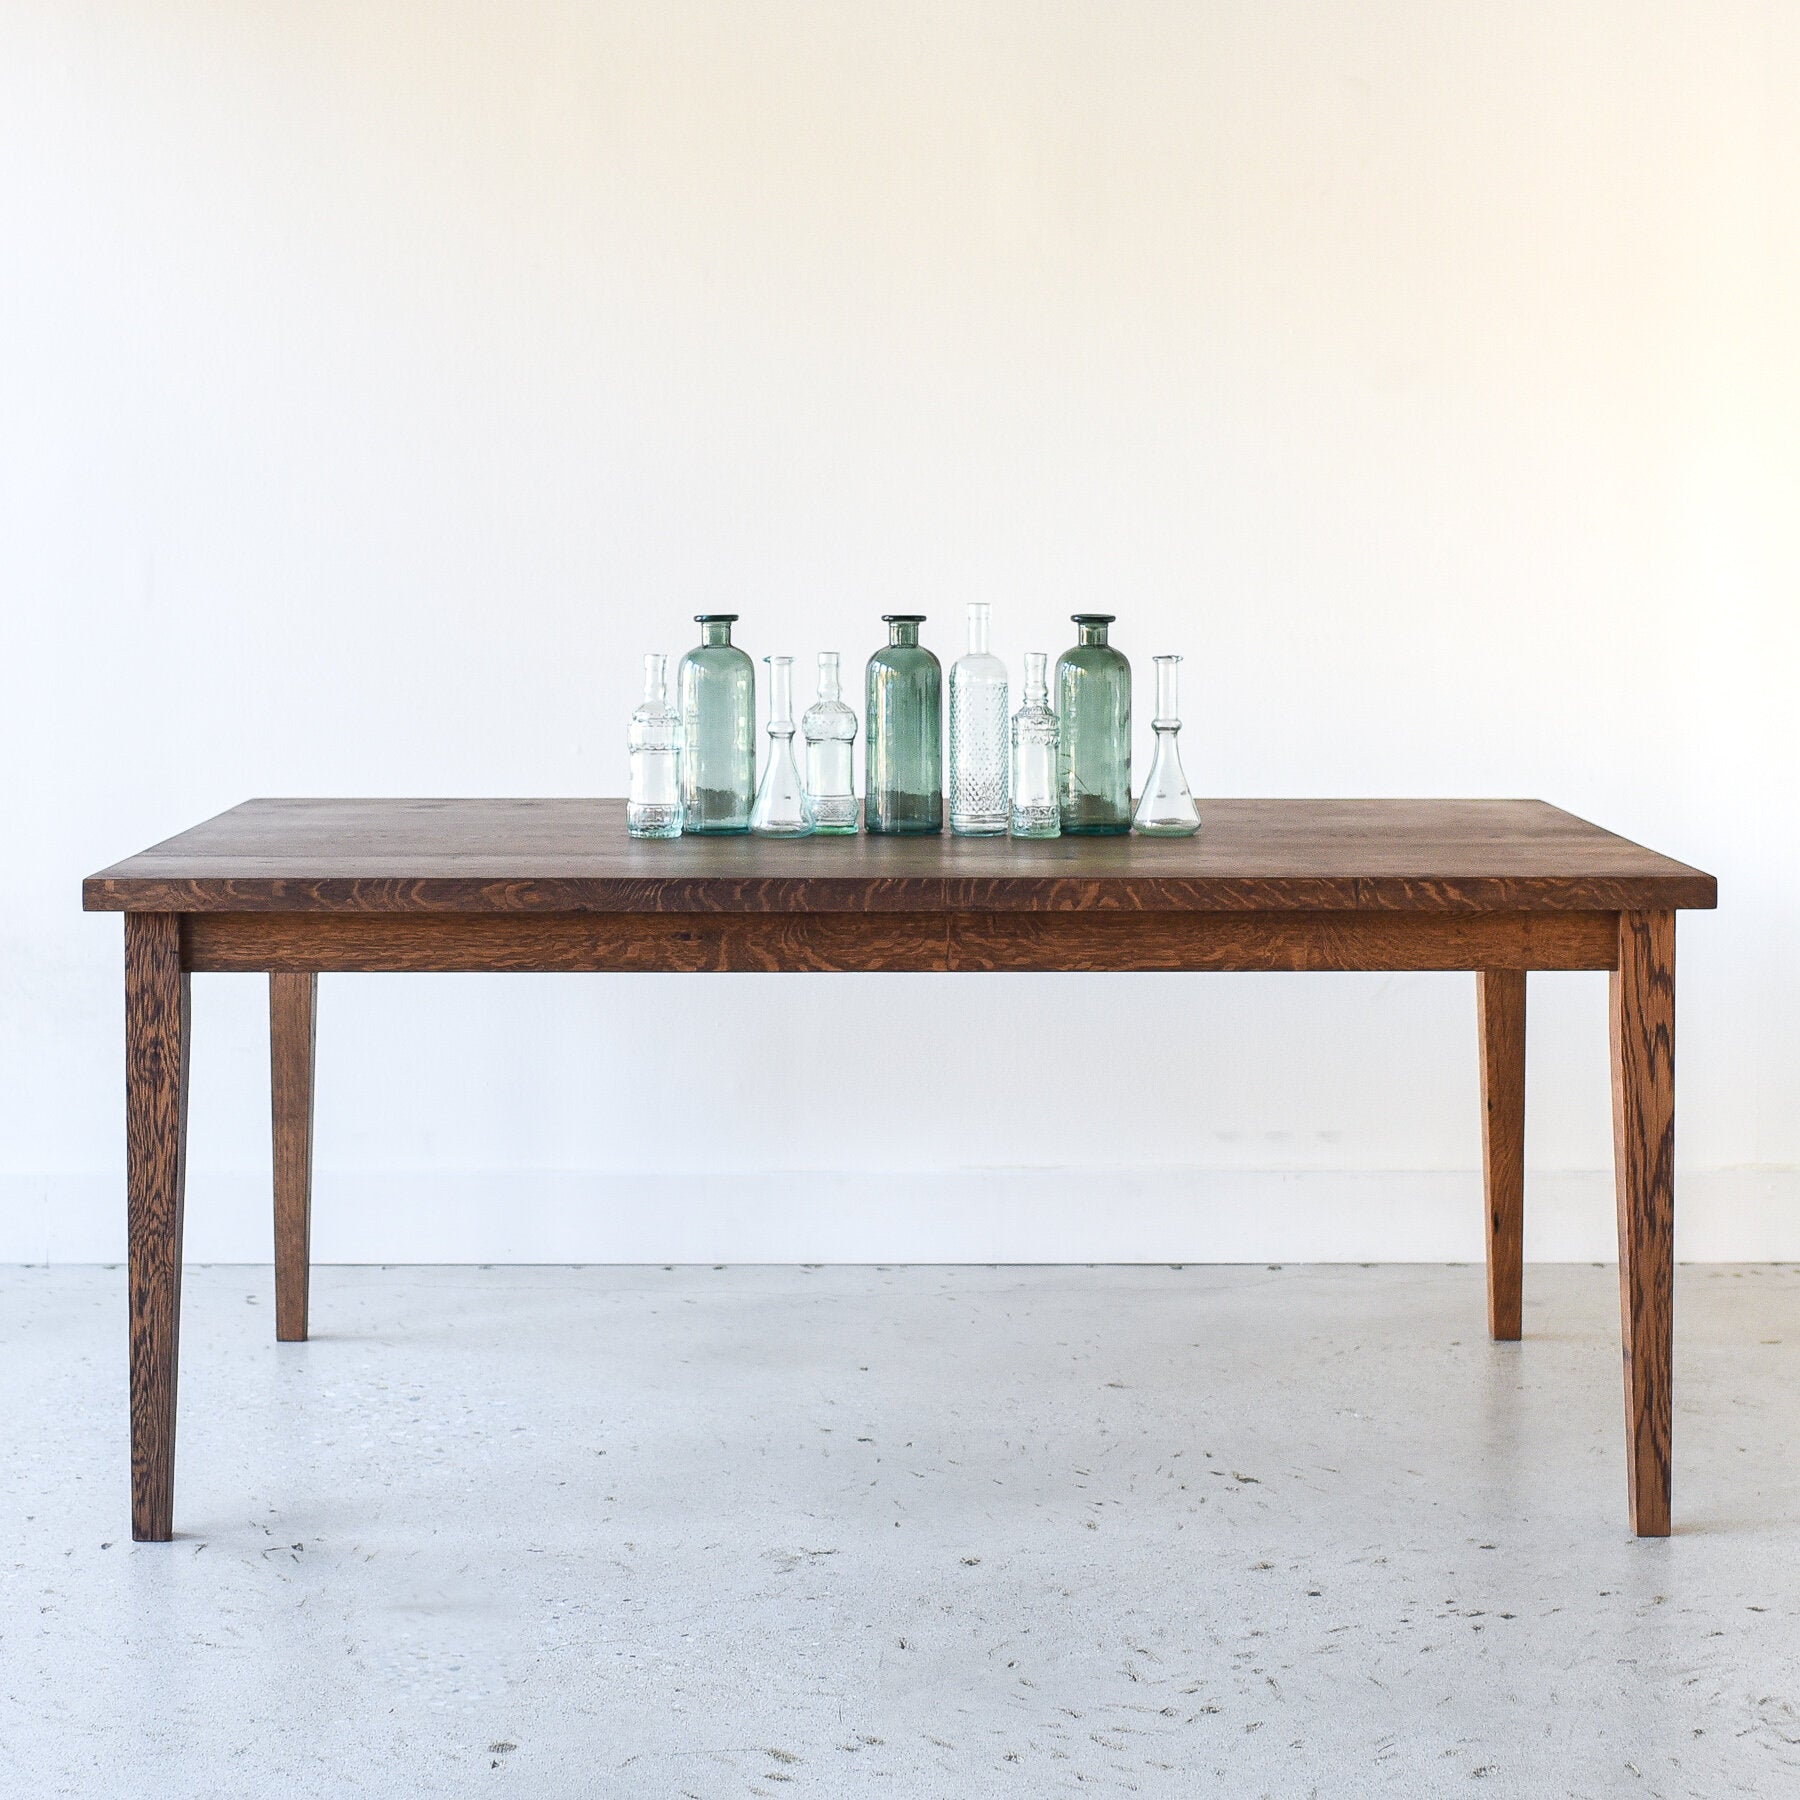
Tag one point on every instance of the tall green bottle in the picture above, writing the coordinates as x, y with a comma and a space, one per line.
717, 703
1093, 747
903, 762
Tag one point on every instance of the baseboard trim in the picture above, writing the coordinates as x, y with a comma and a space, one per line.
1048, 1215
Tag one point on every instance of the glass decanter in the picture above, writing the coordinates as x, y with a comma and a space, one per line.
1166, 808
782, 808
978, 736
1093, 754
903, 760
717, 684
654, 809
1035, 813
829, 727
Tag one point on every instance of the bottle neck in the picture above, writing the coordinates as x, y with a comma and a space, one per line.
781, 696
715, 631
1037, 690
903, 634
978, 629
1168, 694
830, 688
656, 679
1092, 632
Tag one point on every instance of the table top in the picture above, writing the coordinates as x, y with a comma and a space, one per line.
540, 856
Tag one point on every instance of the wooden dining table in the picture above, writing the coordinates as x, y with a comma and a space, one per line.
294, 888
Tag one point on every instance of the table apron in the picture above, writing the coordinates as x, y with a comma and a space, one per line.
792, 942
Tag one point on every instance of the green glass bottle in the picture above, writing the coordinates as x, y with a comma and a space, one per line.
717, 703
903, 763
1093, 747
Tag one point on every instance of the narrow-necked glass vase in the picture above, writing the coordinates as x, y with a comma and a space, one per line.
654, 808
717, 702
1035, 813
829, 727
979, 782
1093, 754
782, 809
903, 763
1166, 808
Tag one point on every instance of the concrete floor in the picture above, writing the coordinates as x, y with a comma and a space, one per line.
917, 1532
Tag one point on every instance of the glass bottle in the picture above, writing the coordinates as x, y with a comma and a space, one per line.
1035, 813
654, 809
717, 684
1093, 752
978, 736
903, 762
829, 727
782, 808
1166, 808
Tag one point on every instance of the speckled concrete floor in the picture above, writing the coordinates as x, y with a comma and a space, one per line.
915, 1532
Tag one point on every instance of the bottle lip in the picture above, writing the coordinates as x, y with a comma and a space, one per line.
903, 618
715, 618
1092, 618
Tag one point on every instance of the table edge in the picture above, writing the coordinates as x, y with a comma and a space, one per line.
1690, 890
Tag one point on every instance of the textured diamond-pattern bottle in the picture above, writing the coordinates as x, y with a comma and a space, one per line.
978, 736
1035, 813
829, 727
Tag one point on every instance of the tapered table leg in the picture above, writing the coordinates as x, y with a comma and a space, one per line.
1500, 1006
293, 1005
156, 1082
1643, 1063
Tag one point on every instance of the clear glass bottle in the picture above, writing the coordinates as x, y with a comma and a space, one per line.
829, 727
903, 761
978, 736
1093, 754
1035, 813
717, 702
782, 808
655, 808
1166, 808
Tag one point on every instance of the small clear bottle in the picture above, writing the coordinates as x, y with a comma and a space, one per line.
656, 741
717, 702
903, 754
829, 727
978, 736
1166, 808
782, 808
1035, 812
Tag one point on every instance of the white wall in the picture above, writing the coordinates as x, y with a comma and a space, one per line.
378, 381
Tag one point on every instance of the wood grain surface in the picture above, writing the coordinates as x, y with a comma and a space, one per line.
156, 1095
1500, 1009
822, 942
293, 1005
1643, 1061
559, 856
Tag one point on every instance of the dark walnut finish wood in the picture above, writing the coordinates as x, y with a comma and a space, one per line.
1643, 1089
156, 1098
1500, 1006
293, 1004
297, 887
559, 856
763, 943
